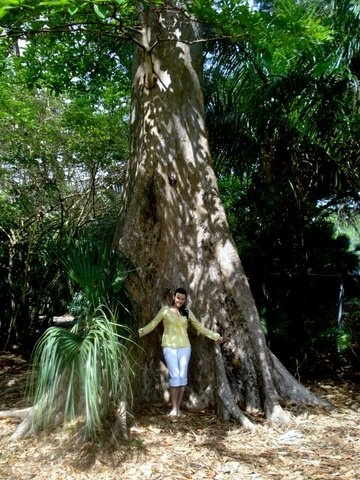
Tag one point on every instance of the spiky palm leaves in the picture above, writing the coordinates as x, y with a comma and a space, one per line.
285, 99
81, 372
85, 372
96, 268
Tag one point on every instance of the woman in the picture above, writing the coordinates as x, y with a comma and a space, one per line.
176, 344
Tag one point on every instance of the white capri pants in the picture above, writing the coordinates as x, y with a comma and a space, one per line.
177, 362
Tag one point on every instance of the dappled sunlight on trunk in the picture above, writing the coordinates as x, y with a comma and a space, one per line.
174, 230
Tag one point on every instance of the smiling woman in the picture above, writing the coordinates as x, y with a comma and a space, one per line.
176, 344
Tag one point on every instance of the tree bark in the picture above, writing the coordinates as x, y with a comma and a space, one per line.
174, 230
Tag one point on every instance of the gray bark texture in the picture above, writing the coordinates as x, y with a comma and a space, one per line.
174, 230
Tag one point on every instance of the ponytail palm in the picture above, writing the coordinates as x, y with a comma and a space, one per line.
81, 372
85, 372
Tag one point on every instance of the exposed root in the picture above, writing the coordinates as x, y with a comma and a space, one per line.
26, 426
227, 406
32, 422
291, 390
280, 387
25, 429
18, 413
121, 428
278, 416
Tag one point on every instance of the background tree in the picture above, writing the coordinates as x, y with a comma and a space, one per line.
58, 179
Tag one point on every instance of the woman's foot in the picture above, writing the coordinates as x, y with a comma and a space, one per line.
173, 413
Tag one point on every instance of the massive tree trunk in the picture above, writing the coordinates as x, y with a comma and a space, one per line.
174, 230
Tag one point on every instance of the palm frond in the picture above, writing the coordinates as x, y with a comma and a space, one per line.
99, 271
87, 369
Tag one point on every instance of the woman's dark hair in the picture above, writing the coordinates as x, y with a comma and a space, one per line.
183, 310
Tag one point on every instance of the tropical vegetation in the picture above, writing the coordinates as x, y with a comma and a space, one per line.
281, 84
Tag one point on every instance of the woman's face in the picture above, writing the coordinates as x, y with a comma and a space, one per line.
179, 300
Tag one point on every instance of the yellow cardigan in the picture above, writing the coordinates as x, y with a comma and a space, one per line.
175, 328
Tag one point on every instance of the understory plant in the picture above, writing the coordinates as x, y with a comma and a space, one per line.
85, 371
81, 372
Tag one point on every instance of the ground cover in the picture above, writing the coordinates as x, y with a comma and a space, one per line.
318, 445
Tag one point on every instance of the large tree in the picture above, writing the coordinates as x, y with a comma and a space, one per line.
174, 230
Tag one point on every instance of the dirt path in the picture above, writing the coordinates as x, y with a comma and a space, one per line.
318, 444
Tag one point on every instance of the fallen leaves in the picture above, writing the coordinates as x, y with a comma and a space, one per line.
317, 446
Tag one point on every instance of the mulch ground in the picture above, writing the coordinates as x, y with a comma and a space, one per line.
318, 445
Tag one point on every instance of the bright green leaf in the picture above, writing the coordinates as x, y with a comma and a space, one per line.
100, 11
73, 10
55, 3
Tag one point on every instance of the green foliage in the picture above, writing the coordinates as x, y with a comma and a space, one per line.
346, 221
279, 106
276, 325
349, 331
58, 11
282, 114
89, 365
74, 52
288, 95
98, 269
78, 306
62, 168
345, 337
226, 18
